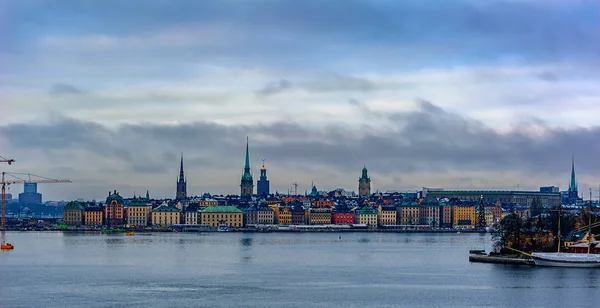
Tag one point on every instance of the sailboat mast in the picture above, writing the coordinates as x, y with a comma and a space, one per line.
590, 224
558, 232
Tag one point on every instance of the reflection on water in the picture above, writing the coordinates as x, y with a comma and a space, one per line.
276, 270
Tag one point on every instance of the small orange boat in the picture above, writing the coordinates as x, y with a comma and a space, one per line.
7, 246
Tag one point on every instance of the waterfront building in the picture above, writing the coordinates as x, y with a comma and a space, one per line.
181, 183
284, 217
262, 185
192, 214
464, 216
319, 216
445, 214
342, 215
298, 215
408, 213
247, 183
367, 216
386, 215
229, 216
250, 215
93, 216
265, 215
492, 196
139, 213
364, 183
429, 214
114, 209
166, 215
73, 214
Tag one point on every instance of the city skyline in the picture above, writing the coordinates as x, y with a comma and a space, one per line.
420, 98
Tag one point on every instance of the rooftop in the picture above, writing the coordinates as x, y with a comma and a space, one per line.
222, 209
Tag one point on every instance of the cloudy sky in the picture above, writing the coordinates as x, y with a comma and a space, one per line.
456, 94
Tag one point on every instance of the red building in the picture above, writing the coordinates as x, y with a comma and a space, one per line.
583, 248
342, 218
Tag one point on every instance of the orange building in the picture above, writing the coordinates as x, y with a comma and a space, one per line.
322, 202
114, 209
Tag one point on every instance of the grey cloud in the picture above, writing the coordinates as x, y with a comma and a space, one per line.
275, 87
548, 76
341, 84
428, 140
65, 89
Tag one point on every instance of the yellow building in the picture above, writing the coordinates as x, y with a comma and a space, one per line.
319, 216
409, 214
464, 216
216, 216
73, 214
386, 215
93, 216
367, 216
166, 216
284, 216
139, 213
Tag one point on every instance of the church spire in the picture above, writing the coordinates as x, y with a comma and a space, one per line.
247, 165
247, 183
181, 175
181, 183
573, 183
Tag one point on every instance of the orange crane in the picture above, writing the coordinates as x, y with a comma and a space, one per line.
19, 179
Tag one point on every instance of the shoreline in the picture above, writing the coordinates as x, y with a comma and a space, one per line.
123, 231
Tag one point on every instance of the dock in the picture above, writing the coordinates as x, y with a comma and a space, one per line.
483, 258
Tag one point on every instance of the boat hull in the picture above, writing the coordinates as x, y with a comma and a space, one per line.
550, 263
567, 260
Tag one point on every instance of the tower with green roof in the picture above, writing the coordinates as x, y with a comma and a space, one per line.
364, 183
247, 183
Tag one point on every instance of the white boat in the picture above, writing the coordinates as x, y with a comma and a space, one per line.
565, 259
569, 259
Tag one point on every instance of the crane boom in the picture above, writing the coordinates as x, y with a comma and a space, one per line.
19, 180
6, 160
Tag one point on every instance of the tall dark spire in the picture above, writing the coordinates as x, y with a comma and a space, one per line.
181, 176
181, 183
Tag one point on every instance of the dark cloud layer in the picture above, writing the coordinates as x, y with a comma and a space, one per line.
427, 140
381, 32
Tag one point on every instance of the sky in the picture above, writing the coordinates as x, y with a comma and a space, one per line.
465, 94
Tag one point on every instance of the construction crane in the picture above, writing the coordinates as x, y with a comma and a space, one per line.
20, 178
6, 160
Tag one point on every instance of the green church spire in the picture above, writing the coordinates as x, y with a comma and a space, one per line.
573, 184
247, 183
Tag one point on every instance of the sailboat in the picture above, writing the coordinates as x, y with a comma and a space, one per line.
566, 259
